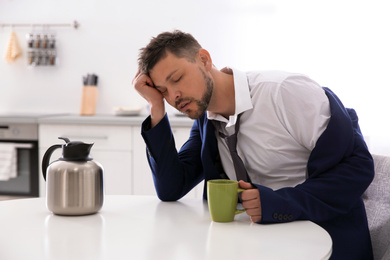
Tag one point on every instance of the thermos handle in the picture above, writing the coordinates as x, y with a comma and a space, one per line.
46, 158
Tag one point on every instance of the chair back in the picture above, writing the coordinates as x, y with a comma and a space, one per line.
377, 203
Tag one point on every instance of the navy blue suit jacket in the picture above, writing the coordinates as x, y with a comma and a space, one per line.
340, 169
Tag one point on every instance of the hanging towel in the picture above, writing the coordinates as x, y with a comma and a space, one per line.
13, 49
9, 160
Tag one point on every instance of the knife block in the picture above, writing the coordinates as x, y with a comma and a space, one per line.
88, 100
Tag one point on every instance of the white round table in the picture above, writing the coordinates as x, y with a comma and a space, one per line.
143, 227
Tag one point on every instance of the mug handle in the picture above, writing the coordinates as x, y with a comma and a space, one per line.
239, 211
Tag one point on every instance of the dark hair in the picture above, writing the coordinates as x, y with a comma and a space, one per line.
180, 44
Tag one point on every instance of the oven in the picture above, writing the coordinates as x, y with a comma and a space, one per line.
19, 158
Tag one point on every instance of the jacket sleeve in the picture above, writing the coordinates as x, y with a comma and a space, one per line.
174, 173
340, 169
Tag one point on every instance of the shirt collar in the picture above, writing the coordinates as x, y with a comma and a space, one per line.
242, 96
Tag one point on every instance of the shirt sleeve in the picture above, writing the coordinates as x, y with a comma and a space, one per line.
303, 108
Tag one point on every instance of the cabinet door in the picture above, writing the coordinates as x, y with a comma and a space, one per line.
117, 167
112, 149
117, 175
143, 180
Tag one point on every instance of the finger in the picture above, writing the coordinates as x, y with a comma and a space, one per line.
245, 185
250, 194
145, 80
142, 81
135, 77
149, 81
256, 219
251, 204
253, 212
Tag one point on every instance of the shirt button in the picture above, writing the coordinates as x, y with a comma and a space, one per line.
275, 215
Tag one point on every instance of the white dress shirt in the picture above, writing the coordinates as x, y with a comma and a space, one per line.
283, 116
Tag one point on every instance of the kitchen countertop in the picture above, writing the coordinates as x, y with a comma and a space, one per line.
109, 120
71, 119
23, 118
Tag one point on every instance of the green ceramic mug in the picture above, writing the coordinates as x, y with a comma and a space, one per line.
222, 196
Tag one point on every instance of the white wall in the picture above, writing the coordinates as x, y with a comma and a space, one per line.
342, 44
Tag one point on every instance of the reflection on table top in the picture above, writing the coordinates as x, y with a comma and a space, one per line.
143, 227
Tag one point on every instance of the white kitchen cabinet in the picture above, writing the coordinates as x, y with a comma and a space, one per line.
143, 180
112, 148
118, 146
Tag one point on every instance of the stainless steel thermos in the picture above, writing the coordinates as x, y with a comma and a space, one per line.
74, 182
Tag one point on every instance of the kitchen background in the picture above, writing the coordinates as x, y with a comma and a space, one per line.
342, 44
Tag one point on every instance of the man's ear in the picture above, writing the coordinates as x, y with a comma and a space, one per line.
205, 58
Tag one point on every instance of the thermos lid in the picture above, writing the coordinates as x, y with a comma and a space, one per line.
75, 150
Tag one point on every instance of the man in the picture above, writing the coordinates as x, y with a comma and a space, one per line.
303, 151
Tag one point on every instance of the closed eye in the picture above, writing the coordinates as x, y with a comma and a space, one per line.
161, 90
177, 80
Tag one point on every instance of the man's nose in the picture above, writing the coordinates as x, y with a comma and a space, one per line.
175, 95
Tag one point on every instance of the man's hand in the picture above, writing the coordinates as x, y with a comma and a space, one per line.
143, 84
251, 200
